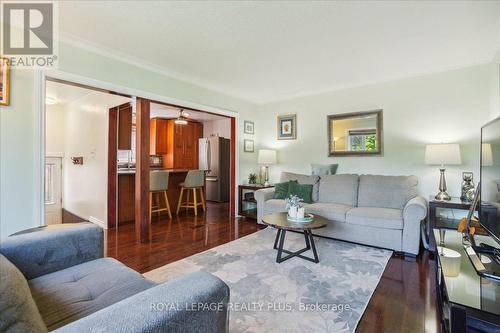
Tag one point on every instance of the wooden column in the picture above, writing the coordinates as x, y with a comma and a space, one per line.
142, 222
112, 165
232, 200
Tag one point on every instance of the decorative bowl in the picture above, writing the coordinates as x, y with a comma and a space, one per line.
307, 218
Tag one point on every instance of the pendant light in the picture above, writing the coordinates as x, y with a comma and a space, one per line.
182, 119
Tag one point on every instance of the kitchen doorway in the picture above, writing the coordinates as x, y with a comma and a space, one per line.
42, 150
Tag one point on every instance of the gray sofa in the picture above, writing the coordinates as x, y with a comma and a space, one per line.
55, 279
382, 211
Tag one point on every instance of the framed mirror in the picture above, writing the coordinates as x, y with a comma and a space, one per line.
355, 134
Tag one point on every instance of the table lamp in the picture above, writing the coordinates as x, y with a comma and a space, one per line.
442, 154
266, 157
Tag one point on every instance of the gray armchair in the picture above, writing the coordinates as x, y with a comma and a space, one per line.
55, 279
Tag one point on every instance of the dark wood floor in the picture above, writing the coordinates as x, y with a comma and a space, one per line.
404, 300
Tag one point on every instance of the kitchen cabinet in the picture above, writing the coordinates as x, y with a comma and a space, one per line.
178, 144
158, 139
125, 127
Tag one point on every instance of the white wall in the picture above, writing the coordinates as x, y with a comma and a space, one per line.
220, 127
444, 107
495, 86
86, 134
54, 129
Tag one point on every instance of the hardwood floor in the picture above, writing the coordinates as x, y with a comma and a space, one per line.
404, 301
178, 238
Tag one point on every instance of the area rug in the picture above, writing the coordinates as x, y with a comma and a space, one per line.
296, 295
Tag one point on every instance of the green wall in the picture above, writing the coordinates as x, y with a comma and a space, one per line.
17, 123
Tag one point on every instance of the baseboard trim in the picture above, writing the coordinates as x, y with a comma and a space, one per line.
98, 222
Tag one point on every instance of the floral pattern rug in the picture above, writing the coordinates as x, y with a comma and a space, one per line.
296, 295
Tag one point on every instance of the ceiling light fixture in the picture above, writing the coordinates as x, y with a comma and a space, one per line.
182, 119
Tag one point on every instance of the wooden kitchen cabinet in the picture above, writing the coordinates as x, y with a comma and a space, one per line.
125, 127
158, 136
185, 145
178, 144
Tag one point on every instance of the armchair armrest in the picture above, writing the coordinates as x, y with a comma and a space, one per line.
261, 196
197, 302
414, 212
415, 209
48, 249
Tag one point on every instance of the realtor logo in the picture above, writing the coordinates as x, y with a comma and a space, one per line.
28, 33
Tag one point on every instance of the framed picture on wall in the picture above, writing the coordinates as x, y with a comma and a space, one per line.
4, 82
248, 146
287, 127
249, 127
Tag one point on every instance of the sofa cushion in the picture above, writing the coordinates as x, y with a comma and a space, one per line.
78, 291
303, 179
339, 189
386, 191
330, 211
18, 311
324, 169
303, 191
281, 189
386, 218
275, 206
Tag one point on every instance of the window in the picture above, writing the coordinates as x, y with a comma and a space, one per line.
362, 139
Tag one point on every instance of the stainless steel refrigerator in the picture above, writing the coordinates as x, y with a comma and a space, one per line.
215, 158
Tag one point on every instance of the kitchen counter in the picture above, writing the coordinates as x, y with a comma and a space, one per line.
126, 192
132, 171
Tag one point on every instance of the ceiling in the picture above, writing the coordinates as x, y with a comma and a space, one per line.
91, 100
266, 51
95, 100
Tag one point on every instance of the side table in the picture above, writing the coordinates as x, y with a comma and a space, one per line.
435, 221
247, 205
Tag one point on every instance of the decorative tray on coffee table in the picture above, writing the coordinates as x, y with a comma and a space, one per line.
307, 218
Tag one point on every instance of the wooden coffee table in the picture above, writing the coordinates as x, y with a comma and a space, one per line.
280, 222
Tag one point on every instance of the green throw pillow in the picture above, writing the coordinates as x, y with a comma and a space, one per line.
281, 189
302, 191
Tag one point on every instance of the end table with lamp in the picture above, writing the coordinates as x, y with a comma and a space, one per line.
439, 154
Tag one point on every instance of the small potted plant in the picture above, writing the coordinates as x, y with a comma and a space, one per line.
252, 178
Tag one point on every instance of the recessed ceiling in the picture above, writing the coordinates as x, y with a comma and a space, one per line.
264, 51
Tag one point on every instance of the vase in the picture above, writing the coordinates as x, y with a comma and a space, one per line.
292, 212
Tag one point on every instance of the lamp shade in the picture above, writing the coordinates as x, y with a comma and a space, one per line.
486, 155
441, 154
267, 156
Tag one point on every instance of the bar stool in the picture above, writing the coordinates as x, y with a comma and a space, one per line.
195, 180
158, 185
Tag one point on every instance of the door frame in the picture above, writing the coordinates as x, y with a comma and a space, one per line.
40, 78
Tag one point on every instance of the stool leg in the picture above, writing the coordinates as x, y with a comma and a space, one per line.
188, 200
203, 200
167, 205
157, 200
195, 202
180, 201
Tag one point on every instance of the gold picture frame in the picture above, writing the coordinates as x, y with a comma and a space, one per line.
4, 82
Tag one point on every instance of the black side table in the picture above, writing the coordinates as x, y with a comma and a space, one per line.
247, 205
434, 221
